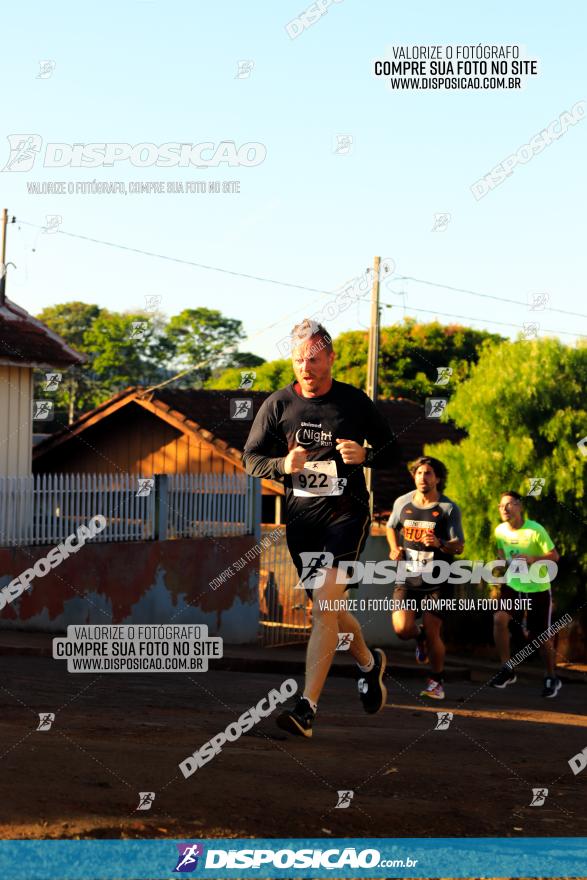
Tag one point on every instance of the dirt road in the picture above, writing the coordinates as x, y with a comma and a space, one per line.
117, 735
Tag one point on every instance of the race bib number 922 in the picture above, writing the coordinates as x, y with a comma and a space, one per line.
317, 478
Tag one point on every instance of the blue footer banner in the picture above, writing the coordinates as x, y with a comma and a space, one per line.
278, 857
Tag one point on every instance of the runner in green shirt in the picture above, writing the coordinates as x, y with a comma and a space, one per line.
521, 542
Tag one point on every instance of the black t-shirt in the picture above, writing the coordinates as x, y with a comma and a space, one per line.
287, 419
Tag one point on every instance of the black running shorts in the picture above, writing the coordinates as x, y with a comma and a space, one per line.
538, 616
325, 545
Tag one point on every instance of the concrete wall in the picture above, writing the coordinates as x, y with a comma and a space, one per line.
376, 624
16, 431
138, 582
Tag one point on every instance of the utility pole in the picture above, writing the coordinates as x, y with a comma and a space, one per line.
3, 261
373, 360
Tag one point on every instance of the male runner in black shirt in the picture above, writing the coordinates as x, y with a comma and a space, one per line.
425, 525
310, 435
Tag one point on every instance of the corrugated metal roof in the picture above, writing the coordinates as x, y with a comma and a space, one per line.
27, 342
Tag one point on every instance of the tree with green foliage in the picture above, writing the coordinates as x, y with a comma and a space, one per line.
121, 349
410, 354
128, 348
203, 336
524, 409
242, 360
71, 320
138, 348
79, 389
269, 376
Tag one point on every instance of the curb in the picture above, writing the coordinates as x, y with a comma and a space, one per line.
339, 670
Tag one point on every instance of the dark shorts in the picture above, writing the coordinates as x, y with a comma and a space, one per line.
538, 616
404, 592
325, 545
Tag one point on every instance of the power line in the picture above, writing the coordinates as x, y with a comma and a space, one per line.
204, 266
516, 302
485, 320
144, 253
200, 265
318, 290
289, 283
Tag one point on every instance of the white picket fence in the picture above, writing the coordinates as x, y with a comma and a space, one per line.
46, 508
209, 504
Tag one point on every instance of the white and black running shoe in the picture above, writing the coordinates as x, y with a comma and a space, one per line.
372, 691
552, 685
504, 677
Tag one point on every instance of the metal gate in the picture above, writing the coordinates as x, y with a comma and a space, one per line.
285, 611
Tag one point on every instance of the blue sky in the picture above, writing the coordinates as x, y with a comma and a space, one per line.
159, 72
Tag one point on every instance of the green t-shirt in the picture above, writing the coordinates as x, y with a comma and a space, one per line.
531, 539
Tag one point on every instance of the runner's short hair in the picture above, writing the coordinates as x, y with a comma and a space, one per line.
437, 466
513, 494
308, 329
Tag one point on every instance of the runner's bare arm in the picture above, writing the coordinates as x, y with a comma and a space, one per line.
295, 460
452, 547
395, 551
351, 452
552, 555
393, 530
499, 570
456, 539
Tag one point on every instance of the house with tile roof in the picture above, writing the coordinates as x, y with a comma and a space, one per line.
174, 431
25, 344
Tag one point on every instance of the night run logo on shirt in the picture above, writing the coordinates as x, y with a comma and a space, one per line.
310, 434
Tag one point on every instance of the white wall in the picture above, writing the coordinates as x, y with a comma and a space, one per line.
16, 388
